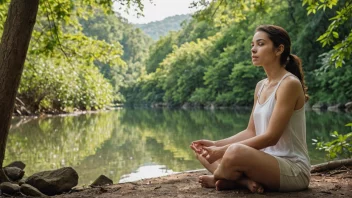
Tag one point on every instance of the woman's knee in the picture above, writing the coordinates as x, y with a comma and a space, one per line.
235, 152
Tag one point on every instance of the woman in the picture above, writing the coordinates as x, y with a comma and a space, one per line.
272, 152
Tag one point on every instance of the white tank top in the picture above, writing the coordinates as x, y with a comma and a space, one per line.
292, 144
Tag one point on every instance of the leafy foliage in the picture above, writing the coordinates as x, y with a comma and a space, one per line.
332, 85
342, 43
222, 75
339, 147
61, 73
45, 86
205, 62
184, 70
115, 30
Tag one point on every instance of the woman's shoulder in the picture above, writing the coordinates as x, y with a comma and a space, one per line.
290, 84
291, 81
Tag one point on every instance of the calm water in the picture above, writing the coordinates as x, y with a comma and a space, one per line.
131, 144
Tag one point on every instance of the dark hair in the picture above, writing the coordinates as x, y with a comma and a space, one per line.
292, 63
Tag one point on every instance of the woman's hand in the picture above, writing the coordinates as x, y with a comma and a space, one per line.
198, 145
213, 153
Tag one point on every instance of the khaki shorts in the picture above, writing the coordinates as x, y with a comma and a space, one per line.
292, 176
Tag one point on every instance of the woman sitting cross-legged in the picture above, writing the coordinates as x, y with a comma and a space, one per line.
271, 153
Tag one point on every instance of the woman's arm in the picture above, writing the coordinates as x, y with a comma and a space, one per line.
287, 97
249, 132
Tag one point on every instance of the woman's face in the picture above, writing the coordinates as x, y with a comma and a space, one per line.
263, 52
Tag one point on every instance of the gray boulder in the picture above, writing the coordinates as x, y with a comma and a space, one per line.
18, 164
337, 107
54, 182
102, 180
14, 173
22, 181
348, 106
31, 191
9, 188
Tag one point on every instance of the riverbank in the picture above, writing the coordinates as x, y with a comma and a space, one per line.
335, 183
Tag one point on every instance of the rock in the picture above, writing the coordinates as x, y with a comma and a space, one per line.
9, 188
319, 106
17, 164
337, 107
31, 191
210, 106
78, 189
22, 181
101, 181
186, 106
55, 181
14, 173
348, 106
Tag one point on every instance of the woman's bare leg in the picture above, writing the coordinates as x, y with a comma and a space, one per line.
208, 181
256, 165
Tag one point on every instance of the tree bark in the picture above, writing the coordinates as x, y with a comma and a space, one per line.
330, 165
13, 50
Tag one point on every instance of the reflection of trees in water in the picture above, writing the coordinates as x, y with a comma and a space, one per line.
50, 143
117, 143
321, 125
173, 131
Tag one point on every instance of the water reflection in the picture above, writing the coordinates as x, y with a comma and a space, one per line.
146, 171
122, 144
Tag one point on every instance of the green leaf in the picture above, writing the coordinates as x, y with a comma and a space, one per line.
335, 34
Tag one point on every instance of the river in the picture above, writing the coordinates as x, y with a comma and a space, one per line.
131, 144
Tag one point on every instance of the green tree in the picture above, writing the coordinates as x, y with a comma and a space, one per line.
20, 20
160, 50
114, 29
341, 40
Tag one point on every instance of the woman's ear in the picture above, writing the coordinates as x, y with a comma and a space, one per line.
280, 50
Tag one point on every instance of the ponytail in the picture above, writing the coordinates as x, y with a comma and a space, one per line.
294, 66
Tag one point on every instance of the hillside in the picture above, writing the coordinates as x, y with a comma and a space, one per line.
161, 28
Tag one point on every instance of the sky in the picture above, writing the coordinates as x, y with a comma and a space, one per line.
158, 10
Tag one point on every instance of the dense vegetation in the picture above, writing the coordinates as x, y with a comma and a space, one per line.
93, 58
78, 57
157, 29
207, 62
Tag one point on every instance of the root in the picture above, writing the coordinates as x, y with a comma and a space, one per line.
330, 165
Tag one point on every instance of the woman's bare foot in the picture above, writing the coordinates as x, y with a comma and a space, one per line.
207, 181
225, 185
253, 186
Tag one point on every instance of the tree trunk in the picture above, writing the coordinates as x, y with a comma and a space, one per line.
13, 50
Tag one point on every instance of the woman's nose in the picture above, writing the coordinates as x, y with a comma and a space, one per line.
253, 50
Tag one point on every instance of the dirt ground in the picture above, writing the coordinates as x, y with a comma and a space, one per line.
337, 183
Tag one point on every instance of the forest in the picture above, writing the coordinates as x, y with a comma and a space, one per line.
208, 61
93, 59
